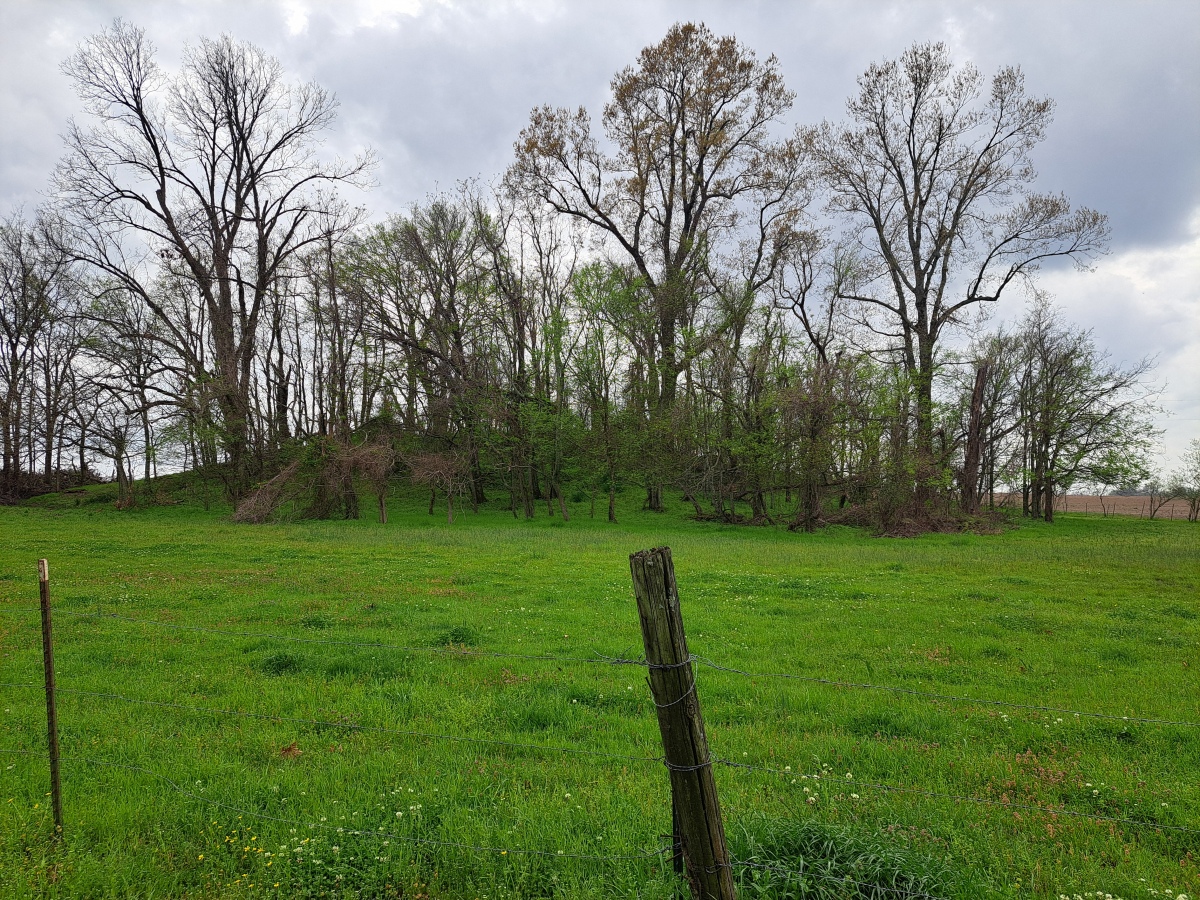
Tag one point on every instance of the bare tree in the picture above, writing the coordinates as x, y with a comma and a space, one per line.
440, 471
375, 462
932, 174
1083, 418
988, 402
40, 339
1185, 480
423, 281
1160, 492
214, 166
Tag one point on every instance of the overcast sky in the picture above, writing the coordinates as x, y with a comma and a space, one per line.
440, 90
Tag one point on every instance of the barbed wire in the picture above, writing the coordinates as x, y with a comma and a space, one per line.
602, 659
933, 695
1006, 804
449, 650
516, 851
605, 660
459, 845
350, 726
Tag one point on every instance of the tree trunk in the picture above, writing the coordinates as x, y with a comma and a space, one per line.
349, 497
924, 455
974, 448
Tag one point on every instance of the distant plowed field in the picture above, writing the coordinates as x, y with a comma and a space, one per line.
1119, 506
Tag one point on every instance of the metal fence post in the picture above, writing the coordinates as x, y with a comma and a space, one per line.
51, 710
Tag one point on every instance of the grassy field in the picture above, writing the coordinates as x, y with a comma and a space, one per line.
211, 794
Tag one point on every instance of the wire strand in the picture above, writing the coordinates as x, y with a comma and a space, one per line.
602, 659
650, 854
458, 845
814, 679
464, 651
961, 798
691, 690
350, 726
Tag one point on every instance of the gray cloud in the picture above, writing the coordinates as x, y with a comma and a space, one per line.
440, 90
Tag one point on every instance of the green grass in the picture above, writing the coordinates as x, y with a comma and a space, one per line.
1089, 614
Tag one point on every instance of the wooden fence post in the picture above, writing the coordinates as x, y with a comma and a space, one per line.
693, 789
51, 710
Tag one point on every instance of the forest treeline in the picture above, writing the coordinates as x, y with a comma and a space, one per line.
680, 296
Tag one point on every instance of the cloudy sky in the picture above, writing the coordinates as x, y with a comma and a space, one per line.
440, 90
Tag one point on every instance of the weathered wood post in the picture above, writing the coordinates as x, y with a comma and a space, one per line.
51, 710
695, 809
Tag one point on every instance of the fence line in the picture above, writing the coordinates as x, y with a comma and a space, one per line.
649, 854
598, 658
601, 659
879, 786
933, 695
350, 726
477, 848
